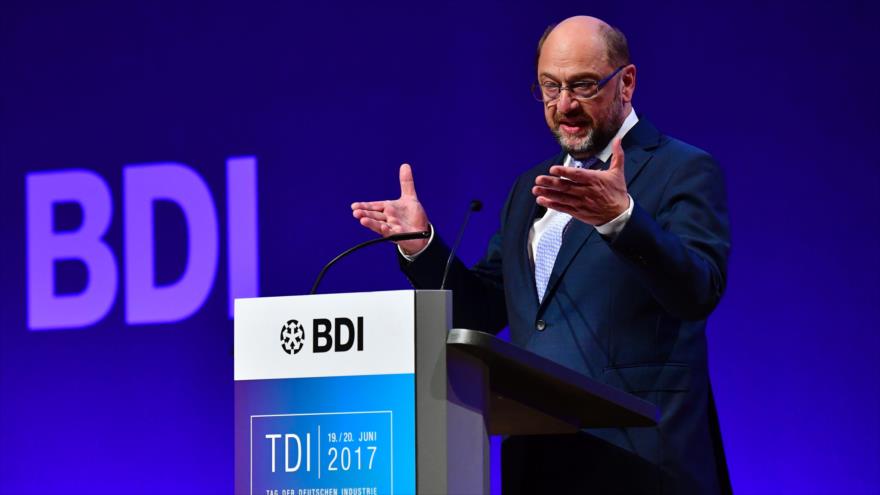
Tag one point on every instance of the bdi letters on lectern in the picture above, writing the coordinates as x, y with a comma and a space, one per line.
325, 394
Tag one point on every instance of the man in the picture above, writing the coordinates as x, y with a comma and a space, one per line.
609, 259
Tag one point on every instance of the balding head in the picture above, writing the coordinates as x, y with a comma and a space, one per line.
585, 30
586, 82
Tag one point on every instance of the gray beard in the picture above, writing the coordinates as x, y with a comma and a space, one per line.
596, 139
586, 147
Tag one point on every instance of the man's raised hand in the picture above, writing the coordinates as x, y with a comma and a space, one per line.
404, 214
592, 196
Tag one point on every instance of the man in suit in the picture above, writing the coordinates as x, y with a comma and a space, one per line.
609, 259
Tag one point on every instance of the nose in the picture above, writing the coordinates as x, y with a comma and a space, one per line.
565, 103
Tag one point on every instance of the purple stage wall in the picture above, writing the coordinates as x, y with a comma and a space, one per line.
123, 103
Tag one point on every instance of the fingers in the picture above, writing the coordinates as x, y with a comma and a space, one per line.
369, 205
567, 196
576, 175
617, 156
580, 207
376, 226
378, 222
571, 190
372, 216
393, 216
375, 215
556, 194
592, 196
576, 182
558, 183
407, 184
555, 205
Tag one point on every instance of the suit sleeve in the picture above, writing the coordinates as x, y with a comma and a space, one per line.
681, 255
478, 293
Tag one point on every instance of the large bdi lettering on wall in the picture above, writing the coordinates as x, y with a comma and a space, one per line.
142, 186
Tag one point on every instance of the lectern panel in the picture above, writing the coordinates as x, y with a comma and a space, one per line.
325, 394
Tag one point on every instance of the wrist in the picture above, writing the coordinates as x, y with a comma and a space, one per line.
411, 249
613, 227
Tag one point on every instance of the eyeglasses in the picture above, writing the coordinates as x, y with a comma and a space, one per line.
549, 91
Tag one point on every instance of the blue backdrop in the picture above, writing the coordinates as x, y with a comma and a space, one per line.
330, 97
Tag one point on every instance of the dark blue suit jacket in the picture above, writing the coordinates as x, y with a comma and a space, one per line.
631, 311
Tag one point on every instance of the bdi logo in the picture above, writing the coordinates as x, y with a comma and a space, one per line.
142, 185
293, 337
338, 335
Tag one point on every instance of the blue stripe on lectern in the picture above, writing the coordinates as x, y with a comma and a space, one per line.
325, 433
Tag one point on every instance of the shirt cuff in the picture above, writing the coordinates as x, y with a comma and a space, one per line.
412, 257
612, 228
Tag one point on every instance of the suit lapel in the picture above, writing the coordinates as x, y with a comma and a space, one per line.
636, 145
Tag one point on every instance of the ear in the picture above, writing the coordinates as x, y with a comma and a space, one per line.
628, 83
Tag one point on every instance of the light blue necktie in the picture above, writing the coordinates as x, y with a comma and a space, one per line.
551, 241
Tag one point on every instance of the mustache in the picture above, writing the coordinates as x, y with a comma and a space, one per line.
572, 119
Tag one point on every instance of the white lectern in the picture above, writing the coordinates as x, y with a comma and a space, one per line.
372, 393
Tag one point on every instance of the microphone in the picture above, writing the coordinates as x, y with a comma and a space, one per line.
476, 205
406, 236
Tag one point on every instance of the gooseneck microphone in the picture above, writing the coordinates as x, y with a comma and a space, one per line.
406, 236
476, 205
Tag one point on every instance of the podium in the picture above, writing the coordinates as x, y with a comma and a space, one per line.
375, 393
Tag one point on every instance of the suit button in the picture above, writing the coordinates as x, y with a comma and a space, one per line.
540, 325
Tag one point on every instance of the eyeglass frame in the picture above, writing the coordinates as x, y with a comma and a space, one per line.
599, 85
